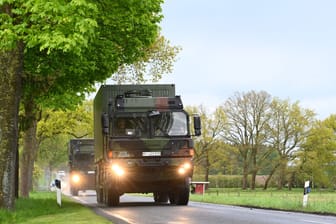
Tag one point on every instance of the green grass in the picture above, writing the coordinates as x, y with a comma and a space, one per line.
42, 208
318, 201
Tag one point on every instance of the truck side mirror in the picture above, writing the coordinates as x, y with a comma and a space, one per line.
105, 123
197, 125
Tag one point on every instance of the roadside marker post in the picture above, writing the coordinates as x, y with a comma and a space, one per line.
305, 193
58, 192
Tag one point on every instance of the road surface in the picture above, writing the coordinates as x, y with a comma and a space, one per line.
143, 210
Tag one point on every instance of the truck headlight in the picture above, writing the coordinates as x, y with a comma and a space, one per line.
181, 170
184, 168
118, 170
75, 178
186, 165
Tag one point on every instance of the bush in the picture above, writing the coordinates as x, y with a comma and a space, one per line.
221, 181
232, 181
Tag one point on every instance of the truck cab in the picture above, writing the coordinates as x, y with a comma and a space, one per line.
143, 143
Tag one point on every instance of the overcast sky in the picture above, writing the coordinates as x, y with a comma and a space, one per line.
284, 47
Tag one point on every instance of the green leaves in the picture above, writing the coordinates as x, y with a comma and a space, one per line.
51, 25
158, 59
317, 159
60, 25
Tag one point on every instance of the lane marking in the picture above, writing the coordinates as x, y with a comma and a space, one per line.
310, 221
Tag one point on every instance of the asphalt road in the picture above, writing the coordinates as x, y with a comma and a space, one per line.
143, 210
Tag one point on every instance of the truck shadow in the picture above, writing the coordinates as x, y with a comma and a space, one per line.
142, 204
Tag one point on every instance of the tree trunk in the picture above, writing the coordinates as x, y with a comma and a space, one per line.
244, 152
282, 173
253, 179
291, 180
11, 69
254, 167
270, 176
207, 166
245, 175
29, 148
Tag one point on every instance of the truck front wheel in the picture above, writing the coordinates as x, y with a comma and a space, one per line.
100, 195
180, 196
113, 198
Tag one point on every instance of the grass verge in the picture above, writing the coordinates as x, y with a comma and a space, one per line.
42, 208
320, 202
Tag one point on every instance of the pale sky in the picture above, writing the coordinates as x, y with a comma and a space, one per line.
284, 47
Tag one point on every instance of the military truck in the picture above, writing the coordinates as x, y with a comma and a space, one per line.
81, 165
143, 143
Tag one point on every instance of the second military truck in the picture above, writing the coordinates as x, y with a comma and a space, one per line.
143, 143
81, 165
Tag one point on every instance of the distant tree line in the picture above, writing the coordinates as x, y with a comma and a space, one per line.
253, 134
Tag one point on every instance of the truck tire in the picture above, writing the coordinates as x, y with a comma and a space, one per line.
160, 197
180, 196
172, 198
113, 198
183, 196
100, 195
73, 191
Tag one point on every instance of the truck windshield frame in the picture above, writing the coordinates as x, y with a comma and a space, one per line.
155, 124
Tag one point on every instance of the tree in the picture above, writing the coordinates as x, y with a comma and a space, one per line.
52, 154
209, 141
247, 118
55, 130
11, 72
288, 129
223, 159
116, 42
77, 123
70, 45
10, 91
20, 30
158, 60
320, 143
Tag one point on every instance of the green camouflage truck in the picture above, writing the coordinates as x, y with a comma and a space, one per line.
81, 165
143, 143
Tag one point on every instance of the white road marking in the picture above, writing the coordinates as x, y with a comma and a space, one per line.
310, 221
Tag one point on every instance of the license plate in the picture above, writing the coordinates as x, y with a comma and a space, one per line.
151, 153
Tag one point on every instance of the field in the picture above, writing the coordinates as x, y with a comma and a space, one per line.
322, 202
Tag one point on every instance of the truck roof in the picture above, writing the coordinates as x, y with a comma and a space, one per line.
156, 90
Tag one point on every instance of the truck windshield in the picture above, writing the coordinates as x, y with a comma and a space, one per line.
130, 126
86, 148
83, 160
169, 123
160, 124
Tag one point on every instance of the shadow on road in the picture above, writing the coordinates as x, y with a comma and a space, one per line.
142, 203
